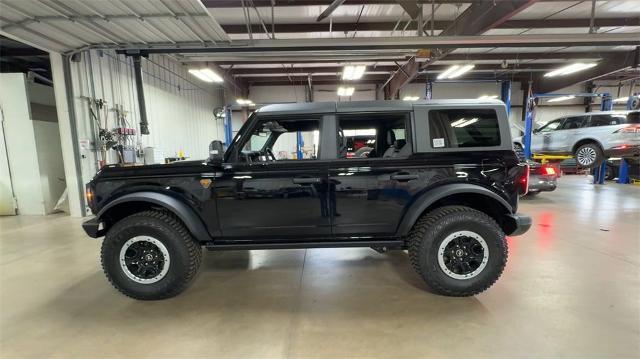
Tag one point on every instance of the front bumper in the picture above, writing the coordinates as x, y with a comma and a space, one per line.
517, 224
92, 228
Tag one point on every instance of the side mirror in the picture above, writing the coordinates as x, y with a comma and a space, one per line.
216, 152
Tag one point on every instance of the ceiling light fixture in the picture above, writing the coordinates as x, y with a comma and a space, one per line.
345, 91
569, 69
410, 98
353, 72
455, 71
561, 98
206, 75
621, 100
244, 102
488, 97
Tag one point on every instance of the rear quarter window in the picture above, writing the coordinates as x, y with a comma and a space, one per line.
464, 128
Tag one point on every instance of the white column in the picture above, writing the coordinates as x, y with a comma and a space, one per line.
21, 144
68, 141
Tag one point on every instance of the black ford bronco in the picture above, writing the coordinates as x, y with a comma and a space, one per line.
438, 178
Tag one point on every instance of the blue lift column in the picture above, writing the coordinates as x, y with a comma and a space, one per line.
228, 127
528, 126
623, 173
505, 94
599, 173
299, 145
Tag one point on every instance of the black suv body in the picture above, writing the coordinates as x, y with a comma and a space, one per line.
439, 178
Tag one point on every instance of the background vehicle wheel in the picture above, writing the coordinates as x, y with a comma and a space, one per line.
589, 155
150, 255
457, 250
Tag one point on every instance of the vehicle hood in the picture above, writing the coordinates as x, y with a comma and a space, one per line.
180, 167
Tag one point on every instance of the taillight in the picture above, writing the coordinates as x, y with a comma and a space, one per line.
548, 170
523, 181
634, 128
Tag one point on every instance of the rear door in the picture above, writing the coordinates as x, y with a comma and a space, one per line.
369, 191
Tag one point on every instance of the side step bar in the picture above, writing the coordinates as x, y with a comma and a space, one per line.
213, 246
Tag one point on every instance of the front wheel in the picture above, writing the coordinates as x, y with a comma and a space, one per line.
458, 251
150, 255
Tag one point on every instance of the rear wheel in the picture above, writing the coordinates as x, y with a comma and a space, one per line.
589, 155
457, 250
150, 255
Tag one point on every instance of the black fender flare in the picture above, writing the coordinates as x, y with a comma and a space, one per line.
433, 195
174, 205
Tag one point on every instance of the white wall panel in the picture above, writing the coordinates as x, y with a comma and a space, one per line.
179, 106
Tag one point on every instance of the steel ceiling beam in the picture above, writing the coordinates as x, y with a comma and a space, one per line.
329, 10
438, 25
267, 3
395, 43
610, 64
475, 20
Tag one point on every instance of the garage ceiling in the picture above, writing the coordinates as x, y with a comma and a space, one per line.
282, 41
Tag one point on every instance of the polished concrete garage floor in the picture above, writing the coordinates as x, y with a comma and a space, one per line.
571, 289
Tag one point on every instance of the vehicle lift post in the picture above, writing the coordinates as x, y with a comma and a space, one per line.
228, 127
623, 173
505, 94
599, 173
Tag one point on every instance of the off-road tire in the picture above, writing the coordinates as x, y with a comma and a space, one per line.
433, 227
593, 148
184, 252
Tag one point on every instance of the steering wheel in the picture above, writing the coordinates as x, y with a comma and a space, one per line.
270, 154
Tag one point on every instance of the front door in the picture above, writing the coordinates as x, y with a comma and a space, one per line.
544, 139
277, 188
571, 129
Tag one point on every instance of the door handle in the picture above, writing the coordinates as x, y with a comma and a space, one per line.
403, 177
306, 180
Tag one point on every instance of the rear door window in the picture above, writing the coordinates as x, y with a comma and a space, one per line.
607, 120
575, 122
462, 128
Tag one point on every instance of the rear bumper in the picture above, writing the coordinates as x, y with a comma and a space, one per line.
628, 151
517, 224
543, 183
92, 228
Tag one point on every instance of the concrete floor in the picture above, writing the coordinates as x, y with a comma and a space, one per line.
571, 289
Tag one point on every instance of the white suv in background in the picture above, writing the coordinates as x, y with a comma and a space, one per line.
589, 137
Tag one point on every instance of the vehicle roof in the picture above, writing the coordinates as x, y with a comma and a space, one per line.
614, 112
362, 106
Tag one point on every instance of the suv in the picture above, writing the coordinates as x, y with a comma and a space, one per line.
589, 137
441, 179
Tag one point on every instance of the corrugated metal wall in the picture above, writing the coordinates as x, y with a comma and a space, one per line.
180, 108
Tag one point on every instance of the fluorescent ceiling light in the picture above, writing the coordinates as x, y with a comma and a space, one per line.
569, 69
462, 122
460, 71
410, 98
473, 120
244, 102
621, 99
206, 75
561, 98
488, 97
345, 91
447, 72
353, 72
456, 123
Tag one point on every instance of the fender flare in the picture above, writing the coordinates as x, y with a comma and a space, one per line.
430, 197
174, 205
